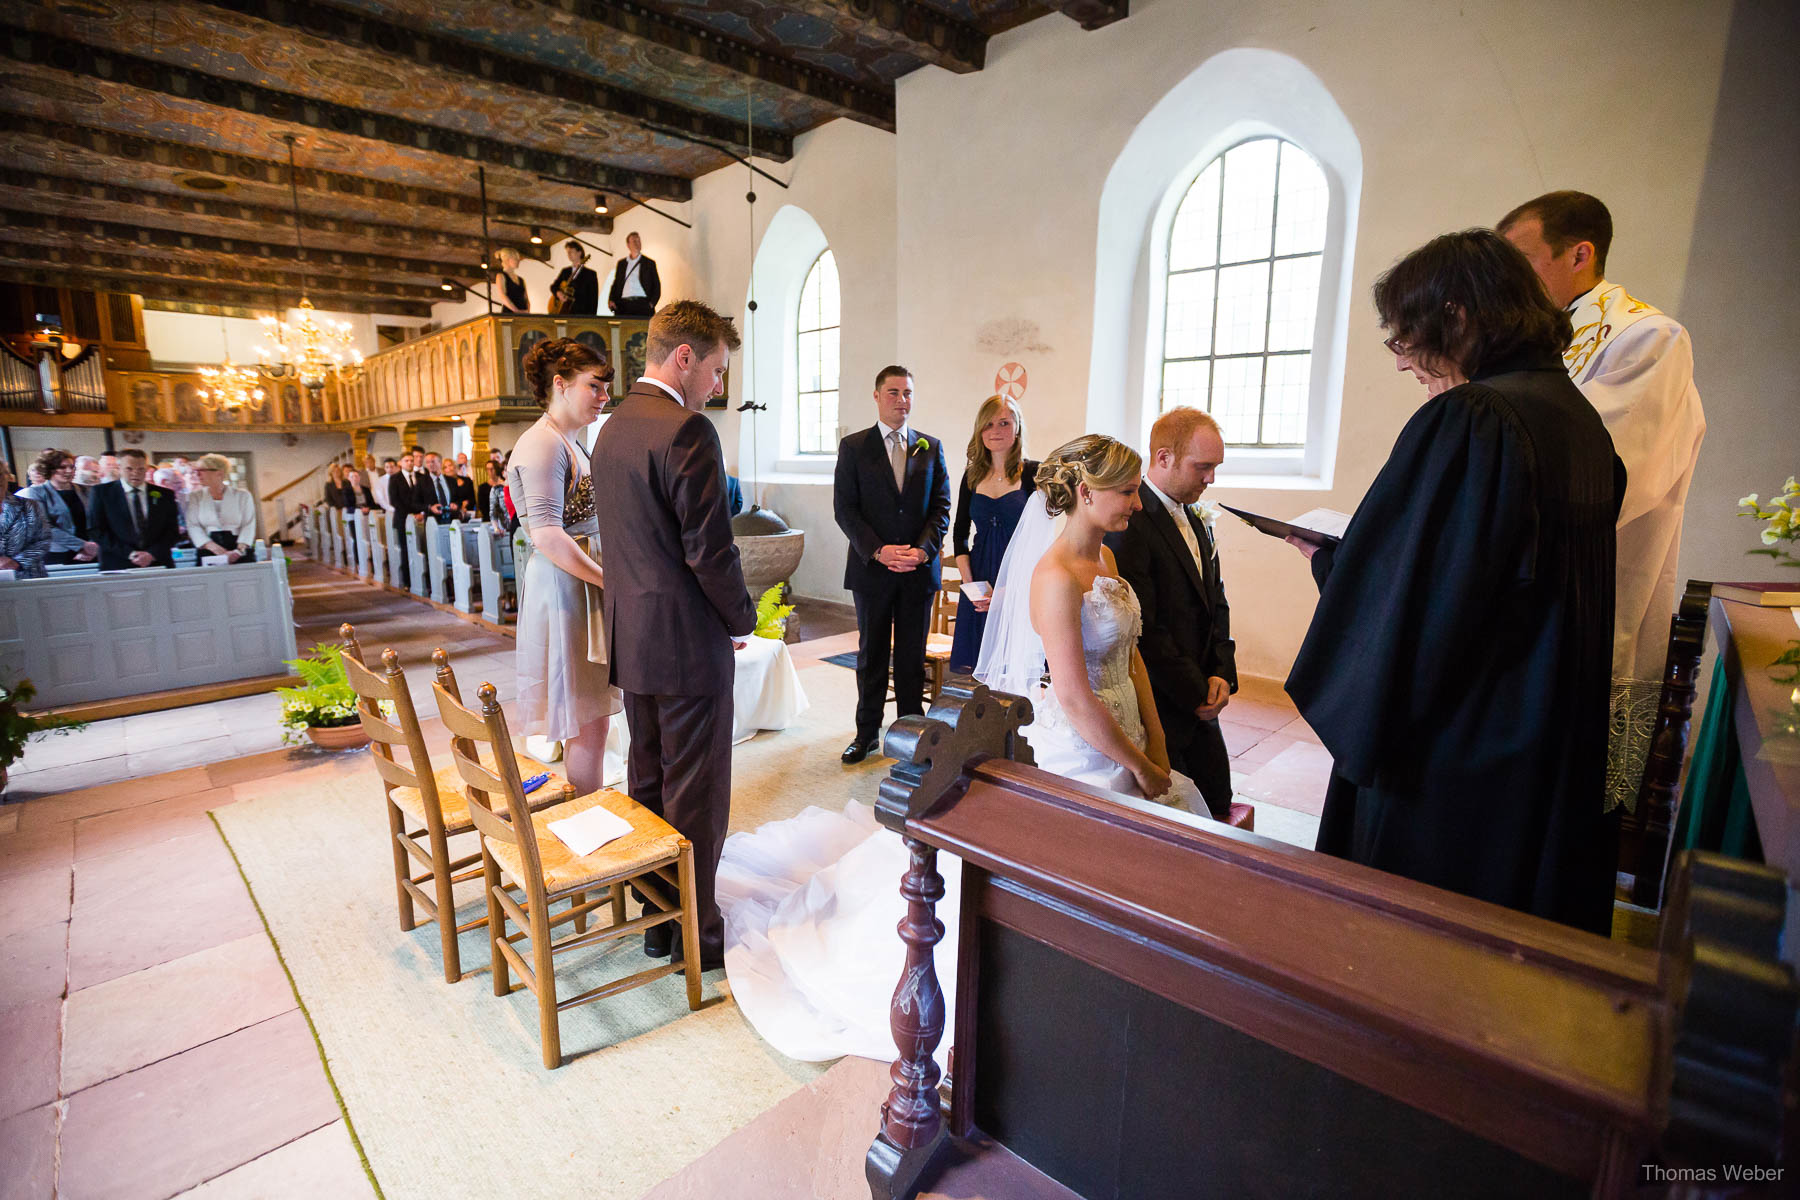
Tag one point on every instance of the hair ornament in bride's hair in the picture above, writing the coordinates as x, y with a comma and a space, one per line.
1092, 460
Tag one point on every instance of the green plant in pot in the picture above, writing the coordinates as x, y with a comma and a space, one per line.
323, 709
18, 728
772, 614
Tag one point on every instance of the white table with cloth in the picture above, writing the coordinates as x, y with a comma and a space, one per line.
767, 694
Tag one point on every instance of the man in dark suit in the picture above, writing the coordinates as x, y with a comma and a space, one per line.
635, 286
404, 495
133, 520
462, 489
1168, 556
891, 496
675, 596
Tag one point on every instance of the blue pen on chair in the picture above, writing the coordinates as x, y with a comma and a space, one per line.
536, 782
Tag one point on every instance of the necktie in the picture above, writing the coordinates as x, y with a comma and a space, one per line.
443, 490
137, 510
897, 458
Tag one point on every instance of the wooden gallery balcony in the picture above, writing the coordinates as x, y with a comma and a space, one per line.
471, 370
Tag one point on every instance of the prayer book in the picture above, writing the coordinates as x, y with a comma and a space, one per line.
586, 832
1768, 595
1321, 526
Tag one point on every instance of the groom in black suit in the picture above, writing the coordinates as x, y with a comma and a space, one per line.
1168, 556
891, 496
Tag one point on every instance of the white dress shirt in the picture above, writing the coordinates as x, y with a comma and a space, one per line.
634, 278
673, 394
896, 450
378, 488
1179, 511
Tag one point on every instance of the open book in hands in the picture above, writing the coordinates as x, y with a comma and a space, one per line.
1321, 526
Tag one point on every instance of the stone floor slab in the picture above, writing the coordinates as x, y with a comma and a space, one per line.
37, 898
1267, 746
148, 824
9, 817
29, 851
149, 1015
142, 907
28, 1152
187, 1119
180, 754
109, 797
323, 1163
30, 1047
34, 965
1296, 778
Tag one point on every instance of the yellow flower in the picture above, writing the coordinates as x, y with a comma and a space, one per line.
1749, 501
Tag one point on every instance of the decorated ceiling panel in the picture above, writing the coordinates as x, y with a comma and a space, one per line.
593, 45
226, 44
148, 142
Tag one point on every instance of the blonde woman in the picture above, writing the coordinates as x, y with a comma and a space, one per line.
1064, 628
810, 949
221, 519
996, 483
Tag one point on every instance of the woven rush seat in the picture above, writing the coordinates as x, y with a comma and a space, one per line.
453, 800
651, 840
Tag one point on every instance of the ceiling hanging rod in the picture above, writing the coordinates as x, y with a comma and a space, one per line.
538, 240
727, 151
635, 199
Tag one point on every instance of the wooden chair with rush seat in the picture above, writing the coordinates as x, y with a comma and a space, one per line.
940, 636
516, 843
425, 807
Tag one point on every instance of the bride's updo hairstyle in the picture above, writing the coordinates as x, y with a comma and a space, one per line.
559, 356
1093, 459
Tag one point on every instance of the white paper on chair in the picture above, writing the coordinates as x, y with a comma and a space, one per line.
586, 832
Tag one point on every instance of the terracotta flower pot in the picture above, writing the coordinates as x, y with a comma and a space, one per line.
338, 737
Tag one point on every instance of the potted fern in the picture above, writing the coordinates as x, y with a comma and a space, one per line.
323, 709
17, 728
772, 614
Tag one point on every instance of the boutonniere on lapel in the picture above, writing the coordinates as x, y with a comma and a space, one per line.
920, 446
1209, 517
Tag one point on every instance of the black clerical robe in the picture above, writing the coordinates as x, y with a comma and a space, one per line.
1457, 665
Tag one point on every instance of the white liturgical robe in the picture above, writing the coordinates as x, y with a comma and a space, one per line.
1635, 365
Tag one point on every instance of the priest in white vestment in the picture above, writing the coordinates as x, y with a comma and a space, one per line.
1635, 365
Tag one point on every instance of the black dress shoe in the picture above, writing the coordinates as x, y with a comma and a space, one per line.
659, 940
860, 749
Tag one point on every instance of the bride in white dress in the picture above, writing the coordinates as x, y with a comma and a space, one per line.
811, 903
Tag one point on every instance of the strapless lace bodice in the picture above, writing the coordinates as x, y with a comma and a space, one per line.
1110, 623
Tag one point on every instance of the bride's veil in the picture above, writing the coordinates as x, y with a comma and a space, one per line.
1012, 653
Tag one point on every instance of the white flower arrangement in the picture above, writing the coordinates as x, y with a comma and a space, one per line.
1781, 523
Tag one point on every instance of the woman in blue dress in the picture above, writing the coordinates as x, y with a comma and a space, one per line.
995, 485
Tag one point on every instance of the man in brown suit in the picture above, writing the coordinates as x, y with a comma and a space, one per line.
675, 594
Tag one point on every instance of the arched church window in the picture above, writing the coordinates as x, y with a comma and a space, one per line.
816, 343
1245, 252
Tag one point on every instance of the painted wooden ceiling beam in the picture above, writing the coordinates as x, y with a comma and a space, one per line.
463, 59
158, 291
287, 108
179, 157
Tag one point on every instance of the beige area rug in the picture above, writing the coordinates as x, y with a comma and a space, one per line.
442, 1083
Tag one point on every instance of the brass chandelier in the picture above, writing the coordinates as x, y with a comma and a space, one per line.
313, 349
230, 387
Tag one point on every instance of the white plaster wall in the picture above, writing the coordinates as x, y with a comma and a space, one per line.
181, 339
1461, 112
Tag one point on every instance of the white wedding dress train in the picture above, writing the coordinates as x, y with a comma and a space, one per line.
811, 904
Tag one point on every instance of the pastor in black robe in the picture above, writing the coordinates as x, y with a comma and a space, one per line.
1457, 665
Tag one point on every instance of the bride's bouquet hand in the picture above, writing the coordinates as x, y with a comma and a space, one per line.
1152, 780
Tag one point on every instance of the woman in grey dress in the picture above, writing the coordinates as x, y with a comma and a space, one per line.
24, 533
563, 690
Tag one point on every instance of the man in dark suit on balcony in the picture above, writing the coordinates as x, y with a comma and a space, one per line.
133, 520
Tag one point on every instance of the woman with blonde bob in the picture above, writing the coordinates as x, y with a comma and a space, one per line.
1061, 609
998, 481
221, 518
